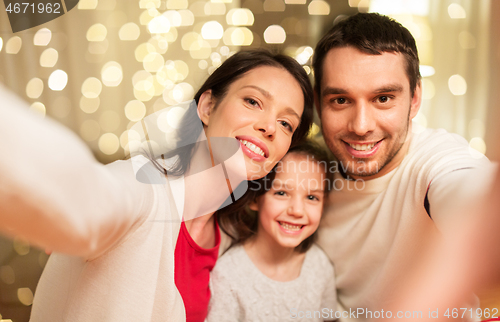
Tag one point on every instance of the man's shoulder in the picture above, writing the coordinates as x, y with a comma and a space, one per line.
440, 144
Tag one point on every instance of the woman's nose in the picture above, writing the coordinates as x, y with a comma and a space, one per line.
266, 125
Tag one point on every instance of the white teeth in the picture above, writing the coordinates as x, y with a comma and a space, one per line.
362, 147
290, 226
253, 147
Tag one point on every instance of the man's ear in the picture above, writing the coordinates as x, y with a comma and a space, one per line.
317, 103
206, 104
416, 100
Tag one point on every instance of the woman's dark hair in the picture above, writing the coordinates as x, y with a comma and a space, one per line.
218, 82
243, 224
373, 34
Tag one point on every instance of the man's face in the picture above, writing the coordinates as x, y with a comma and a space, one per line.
365, 106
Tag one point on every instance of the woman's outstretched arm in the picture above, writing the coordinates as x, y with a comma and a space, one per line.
54, 193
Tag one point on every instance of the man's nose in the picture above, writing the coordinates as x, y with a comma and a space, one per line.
362, 119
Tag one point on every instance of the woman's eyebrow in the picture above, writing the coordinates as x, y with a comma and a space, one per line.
263, 91
288, 110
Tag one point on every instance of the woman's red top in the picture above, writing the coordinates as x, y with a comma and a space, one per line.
193, 265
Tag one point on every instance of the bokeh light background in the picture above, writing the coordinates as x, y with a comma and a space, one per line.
108, 63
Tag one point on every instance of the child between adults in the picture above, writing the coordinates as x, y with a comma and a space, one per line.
274, 271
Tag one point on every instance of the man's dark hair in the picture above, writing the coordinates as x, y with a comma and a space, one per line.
373, 34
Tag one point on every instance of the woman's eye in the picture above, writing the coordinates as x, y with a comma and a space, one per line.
252, 102
286, 125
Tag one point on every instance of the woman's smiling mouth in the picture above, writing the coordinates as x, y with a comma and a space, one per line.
253, 148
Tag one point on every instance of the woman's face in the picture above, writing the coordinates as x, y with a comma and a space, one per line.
261, 110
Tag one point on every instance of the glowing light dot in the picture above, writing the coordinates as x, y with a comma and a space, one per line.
426, 71
21, 246
34, 88
159, 25
25, 296
97, 32
477, 147
456, 11
476, 128
214, 9
466, 40
174, 18
174, 116
319, 8
7, 275
274, 34
38, 108
58, 80
89, 105
203, 64
457, 85
212, 30
129, 31
109, 143
91, 87
187, 17
177, 4
49, 57
143, 50
153, 62
42, 37
224, 50
240, 17
87, 4
112, 74
13, 45
135, 110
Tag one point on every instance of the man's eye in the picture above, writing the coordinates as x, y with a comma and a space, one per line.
383, 99
340, 100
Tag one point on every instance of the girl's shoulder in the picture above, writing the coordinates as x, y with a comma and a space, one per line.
317, 261
233, 258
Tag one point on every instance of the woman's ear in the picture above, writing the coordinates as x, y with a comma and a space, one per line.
205, 106
253, 205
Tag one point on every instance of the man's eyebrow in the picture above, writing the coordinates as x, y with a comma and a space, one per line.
389, 88
333, 91
263, 91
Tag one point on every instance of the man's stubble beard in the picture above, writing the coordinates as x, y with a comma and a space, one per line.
347, 169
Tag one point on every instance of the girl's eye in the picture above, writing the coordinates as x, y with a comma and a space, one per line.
311, 197
286, 125
280, 193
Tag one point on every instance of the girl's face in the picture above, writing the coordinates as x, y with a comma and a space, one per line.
291, 210
261, 110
